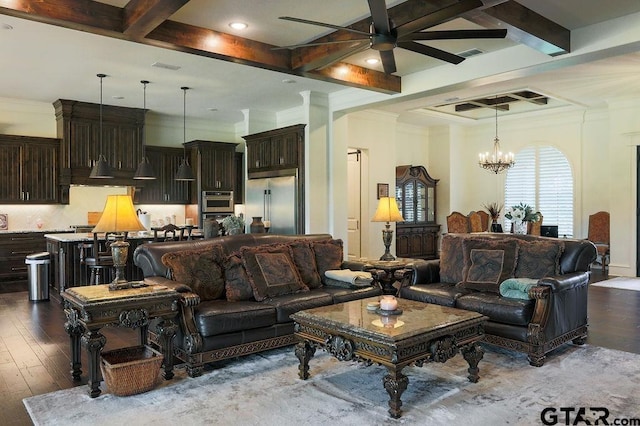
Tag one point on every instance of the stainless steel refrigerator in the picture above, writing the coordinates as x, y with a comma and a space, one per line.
275, 200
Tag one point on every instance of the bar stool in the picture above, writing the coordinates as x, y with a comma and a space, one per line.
100, 261
83, 249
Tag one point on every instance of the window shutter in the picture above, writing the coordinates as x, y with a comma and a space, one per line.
542, 178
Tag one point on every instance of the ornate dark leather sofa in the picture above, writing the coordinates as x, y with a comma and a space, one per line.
212, 330
555, 311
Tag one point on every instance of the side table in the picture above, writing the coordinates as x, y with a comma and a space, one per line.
386, 272
90, 308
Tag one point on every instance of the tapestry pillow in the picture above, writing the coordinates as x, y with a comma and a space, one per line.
199, 269
328, 255
271, 271
538, 259
236, 279
487, 263
305, 261
517, 288
451, 259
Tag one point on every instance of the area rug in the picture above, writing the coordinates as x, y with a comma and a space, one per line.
623, 283
265, 390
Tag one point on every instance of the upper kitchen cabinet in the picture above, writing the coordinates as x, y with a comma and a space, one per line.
164, 189
275, 150
213, 164
29, 170
78, 127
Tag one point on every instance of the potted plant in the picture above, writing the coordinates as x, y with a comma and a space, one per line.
494, 210
521, 214
233, 225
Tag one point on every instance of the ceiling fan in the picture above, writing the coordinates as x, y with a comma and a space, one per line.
384, 37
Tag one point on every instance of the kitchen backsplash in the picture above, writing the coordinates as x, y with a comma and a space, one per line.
82, 199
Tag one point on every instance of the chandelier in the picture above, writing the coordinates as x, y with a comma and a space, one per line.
497, 162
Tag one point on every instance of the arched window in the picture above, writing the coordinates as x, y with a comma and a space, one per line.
542, 178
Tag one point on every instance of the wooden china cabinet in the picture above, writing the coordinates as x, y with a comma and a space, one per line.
417, 236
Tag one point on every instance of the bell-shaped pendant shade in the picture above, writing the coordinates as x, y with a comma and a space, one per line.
144, 171
101, 170
184, 172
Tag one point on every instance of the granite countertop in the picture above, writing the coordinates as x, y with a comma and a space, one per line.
78, 237
27, 231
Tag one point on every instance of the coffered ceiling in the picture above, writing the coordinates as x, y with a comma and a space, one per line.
54, 49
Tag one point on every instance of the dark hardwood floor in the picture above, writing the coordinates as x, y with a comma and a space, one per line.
35, 358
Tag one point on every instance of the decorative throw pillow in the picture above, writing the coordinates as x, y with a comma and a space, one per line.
328, 255
451, 259
517, 288
305, 261
199, 269
487, 263
236, 279
538, 259
271, 271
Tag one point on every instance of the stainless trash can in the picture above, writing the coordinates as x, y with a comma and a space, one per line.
38, 273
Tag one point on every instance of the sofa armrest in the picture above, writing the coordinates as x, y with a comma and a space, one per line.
565, 282
176, 285
425, 272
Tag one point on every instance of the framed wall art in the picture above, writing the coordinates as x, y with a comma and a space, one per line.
383, 190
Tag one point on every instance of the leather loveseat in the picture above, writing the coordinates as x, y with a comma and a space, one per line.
553, 309
246, 311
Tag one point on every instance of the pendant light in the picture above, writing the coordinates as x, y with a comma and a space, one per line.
101, 169
496, 162
144, 170
184, 171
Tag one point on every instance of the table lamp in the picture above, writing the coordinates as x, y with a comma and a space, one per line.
387, 211
119, 216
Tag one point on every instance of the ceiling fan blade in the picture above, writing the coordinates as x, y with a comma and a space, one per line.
439, 16
295, 46
388, 61
322, 24
456, 34
379, 16
431, 51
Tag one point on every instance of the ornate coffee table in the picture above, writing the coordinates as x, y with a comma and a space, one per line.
423, 333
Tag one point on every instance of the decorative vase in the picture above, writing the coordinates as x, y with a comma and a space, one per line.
495, 226
519, 227
257, 226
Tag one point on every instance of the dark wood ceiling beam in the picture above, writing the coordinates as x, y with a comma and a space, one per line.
83, 15
143, 16
524, 26
308, 58
360, 77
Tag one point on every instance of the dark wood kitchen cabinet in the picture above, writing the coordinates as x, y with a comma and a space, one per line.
213, 164
29, 170
274, 150
417, 236
14, 248
78, 127
164, 189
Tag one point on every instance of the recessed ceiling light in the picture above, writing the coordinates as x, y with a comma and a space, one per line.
212, 109
288, 81
6, 27
165, 66
117, 97
238, 25
372, 61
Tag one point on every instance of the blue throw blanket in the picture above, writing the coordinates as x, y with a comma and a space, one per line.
517, 288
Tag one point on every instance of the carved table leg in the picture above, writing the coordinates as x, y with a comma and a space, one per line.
473, 353
166, 331
304, 351
74, 329
395, 383
94, 342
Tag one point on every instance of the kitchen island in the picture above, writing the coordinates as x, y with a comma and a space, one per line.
66, 249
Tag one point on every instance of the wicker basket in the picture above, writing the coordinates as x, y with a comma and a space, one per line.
131, 370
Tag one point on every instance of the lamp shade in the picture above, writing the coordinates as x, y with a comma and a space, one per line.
387, 211
119, 216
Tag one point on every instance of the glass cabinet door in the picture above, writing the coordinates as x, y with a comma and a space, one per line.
431, 202
421, 202
408, 213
